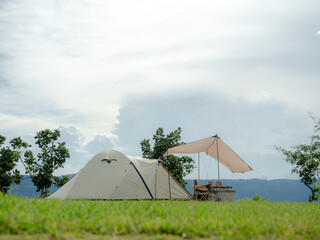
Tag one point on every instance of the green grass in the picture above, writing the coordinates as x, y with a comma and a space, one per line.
65, 219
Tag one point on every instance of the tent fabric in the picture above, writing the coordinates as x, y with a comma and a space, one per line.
112, 175
209, 145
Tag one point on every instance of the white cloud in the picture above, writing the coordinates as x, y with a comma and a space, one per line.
318, 33
77, 63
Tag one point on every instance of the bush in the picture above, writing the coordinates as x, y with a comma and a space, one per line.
257, 197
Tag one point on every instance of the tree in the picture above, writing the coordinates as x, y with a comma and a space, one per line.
305, 159
52, 156
178, 166
60, 181
8, 161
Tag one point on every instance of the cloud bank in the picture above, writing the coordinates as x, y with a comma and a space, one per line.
80, 63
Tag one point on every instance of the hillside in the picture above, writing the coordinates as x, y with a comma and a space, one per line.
27, 189
272, 190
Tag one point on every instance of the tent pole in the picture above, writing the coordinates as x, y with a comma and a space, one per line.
169, 177
155, 180
217, 138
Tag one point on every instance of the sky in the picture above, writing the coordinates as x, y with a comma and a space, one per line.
109, 73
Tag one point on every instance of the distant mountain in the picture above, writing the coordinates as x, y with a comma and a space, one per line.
28, 190
272, 190
25, 189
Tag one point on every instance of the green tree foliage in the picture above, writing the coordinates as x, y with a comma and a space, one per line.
9, 158
178, 166
60, 181
305, 159
257, 197
52, 156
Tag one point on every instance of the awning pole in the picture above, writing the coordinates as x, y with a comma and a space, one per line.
217, 138
198, 168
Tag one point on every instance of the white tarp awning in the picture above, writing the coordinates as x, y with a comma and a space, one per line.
209, 145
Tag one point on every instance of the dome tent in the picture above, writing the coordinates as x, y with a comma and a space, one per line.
112, 175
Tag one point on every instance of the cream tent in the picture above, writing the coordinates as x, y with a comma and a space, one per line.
112, 175
217, 149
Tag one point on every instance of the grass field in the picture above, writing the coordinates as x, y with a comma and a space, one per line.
62, 219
